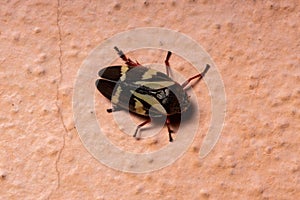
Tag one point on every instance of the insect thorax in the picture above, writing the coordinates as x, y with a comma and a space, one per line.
173, 99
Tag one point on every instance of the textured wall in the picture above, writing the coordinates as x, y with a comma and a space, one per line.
256, 47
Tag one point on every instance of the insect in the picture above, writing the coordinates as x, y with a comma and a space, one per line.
144, 91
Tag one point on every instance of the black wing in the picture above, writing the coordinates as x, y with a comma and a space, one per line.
105, 87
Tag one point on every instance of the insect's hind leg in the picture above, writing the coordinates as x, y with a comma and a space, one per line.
128, 61
167, 62
169, 129
140, 126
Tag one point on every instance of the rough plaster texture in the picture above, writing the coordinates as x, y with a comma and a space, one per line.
256, 46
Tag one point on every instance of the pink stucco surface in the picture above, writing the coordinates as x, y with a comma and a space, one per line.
254, 44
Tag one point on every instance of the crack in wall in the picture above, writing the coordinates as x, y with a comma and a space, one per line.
58, 13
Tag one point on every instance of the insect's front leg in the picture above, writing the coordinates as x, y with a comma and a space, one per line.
200, 76
128, 61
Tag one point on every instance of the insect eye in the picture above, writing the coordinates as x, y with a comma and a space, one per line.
167, 92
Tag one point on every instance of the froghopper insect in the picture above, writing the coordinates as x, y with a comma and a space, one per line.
144, 91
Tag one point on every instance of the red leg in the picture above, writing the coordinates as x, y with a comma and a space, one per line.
169, 129
128, 61
140, 125
200, 76
167, 62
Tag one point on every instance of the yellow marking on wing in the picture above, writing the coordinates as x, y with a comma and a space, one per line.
139, 108
155, 85
124, 69
149, 73
151, 101
116, 96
